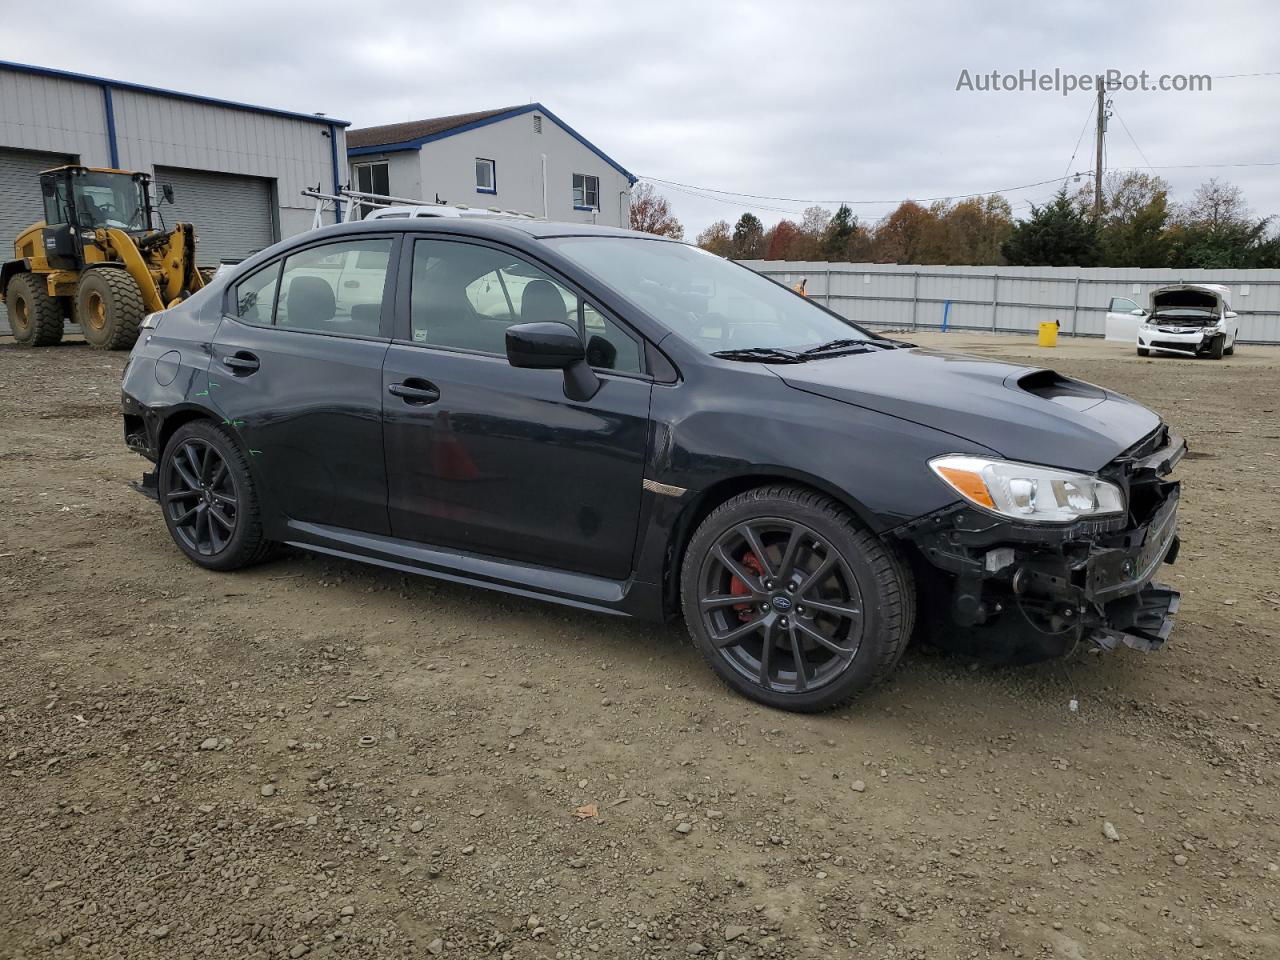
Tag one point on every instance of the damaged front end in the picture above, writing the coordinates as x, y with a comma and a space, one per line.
1019, 592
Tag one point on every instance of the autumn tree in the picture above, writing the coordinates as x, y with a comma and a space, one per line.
651, 213
717, 239
899, 237
748, 238
779, 241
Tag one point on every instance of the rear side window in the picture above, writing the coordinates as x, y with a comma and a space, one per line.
335, 288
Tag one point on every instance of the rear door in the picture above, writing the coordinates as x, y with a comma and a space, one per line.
494, 460
297, 372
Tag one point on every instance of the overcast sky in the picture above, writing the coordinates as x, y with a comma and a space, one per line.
804, 100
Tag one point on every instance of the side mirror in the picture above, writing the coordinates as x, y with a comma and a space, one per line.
1139, 312
166, 192
553, 346
1232, 313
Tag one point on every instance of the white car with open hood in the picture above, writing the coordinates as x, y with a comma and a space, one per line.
1192, 319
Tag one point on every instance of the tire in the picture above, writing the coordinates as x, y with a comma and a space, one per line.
1144, 352
244, 544
35, 318
1230, 351
869, 620
1217, 348
109, 308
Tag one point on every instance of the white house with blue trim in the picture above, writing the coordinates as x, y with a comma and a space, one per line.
237, 169
515, 158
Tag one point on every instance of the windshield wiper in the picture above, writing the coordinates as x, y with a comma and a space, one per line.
847, 345
761, 355
885, 343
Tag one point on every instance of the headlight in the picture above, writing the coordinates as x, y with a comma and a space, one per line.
1024, 491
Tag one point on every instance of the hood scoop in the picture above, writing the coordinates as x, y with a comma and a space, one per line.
1053, 386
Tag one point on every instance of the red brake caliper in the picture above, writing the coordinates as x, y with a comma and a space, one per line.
739, 589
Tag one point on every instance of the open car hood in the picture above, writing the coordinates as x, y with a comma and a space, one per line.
1190, 296
1023, 413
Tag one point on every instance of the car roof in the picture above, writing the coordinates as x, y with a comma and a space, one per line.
492, 227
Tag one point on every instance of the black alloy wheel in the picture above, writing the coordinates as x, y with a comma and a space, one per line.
781, 605
201, 499
209, 498
792, 601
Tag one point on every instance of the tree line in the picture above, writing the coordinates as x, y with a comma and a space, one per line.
1139, 226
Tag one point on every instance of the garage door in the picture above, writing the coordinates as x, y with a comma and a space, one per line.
232, 214
20, 203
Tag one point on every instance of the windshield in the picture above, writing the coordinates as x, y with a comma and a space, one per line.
711, 302
109, 200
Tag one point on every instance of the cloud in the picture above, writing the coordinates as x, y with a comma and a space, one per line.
807, 100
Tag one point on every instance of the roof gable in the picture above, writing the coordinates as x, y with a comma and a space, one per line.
414, 133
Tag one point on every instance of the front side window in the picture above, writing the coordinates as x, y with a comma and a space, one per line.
486, 176
335, 288
711, 302
464, 296
1122, 305
586, 192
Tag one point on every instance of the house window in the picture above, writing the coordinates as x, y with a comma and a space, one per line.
486, 176
586, 192
372, 178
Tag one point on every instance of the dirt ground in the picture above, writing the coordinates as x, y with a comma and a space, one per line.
323, 759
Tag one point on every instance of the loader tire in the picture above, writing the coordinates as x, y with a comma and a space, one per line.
35, 318
109, 308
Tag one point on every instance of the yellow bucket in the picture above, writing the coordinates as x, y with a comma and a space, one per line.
1048, 334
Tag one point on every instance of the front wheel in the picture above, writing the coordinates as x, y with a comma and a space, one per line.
1230, 351
1144, 352
792, 602
1217, 347
109, 308
209, 500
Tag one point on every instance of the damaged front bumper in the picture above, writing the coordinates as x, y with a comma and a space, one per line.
1024, 592
1188, 341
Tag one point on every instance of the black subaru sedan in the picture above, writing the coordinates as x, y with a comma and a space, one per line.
630, 425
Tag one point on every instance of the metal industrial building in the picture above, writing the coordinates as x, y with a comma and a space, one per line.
236, 169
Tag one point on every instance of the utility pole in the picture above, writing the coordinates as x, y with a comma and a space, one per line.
1100, 137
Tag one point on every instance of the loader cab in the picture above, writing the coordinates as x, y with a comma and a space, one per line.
80, 199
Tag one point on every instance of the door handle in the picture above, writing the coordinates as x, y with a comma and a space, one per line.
415, 391
351, 284
241, 362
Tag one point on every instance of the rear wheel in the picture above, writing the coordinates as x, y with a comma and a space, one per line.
209, 500
35, 318
792, 602
109, 308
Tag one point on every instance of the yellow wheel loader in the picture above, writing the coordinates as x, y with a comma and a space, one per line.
96, 259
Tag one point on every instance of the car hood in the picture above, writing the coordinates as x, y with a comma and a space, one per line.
1212, 297
1023, 413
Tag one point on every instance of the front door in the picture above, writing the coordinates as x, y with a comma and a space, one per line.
1123, 318
494, 460
297, 373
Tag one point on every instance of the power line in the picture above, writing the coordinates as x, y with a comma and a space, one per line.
1132, 140
1236, 76
1080, 139
756, 196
